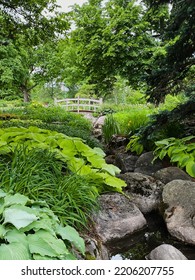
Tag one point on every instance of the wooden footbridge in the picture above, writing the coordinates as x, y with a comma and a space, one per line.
79, 104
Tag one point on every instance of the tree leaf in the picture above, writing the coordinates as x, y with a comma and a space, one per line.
20, 216
70, 234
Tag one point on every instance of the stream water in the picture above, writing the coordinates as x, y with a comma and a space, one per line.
139, 245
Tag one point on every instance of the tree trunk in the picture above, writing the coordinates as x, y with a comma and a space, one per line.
26, 95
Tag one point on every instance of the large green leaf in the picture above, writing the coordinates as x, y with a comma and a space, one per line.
15, 235
14, 251
96, 161
45, 244
20, 216
111, 169
15, 199
114, 182
2, 193
68, 147
70, 234
190, 168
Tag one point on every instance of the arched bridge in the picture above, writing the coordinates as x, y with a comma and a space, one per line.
79, 104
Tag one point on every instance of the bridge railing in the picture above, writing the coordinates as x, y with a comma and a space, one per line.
79, 104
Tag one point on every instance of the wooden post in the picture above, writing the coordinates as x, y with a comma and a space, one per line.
78, 103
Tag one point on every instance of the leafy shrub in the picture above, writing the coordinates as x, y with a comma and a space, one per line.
51, 115
109, 128
30, 230
180, 151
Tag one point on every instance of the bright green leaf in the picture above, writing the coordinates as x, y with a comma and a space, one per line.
70, 234
19, 216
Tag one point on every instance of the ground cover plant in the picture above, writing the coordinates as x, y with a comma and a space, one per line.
30, 230
39, 175
179, 151
53, 118
69, 183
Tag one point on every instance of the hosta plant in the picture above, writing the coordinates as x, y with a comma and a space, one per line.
29, 230
79, 158
180, 151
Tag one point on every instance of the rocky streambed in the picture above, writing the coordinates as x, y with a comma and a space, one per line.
153, 219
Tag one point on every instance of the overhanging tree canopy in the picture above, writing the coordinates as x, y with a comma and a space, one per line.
28, 34
177, 51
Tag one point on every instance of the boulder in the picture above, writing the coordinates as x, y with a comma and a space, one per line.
126, 162
144, 190
97, 127
117, 218
171, 173
146, 165
165, 252
179, 200
99, 122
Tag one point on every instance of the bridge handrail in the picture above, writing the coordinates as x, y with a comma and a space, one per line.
77, 104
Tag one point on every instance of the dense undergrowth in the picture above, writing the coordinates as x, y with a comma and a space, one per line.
54, 118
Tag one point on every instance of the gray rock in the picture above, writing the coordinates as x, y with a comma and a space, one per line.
145, 165
126, 162
110, 159
99, 122
117, 218
171, 173
95, 249
144, 190
165, 252
179, 200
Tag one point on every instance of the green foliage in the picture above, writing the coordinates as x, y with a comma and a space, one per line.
111, 39
134, 145
65, 128
79, 158
28, 45
39, 175
131, 121
52, 118
30, 230
180, 151
123, 94
109, 128
168, 71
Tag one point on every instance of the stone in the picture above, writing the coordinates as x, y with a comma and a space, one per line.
95, 250
126, 162
165, 252
99, 122
179, 200
117, 218
110, 159
97, 127
144, 190
171, 173
145, 165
